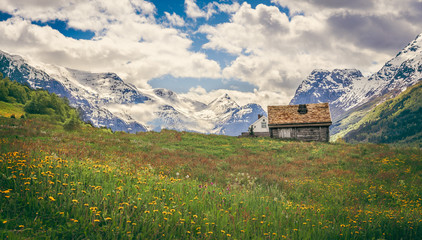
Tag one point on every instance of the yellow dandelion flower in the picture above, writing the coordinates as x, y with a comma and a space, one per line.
21, 226
108, 218
96, 220
51, 198
4, 222
75, 201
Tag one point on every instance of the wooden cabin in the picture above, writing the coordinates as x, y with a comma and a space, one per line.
305, 122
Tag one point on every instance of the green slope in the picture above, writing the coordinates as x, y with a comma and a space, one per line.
9, 109
91, 184
397, 120
18, 100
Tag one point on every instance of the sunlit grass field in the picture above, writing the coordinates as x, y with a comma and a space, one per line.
92, 183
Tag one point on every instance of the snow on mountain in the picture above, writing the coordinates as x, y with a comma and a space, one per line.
71, 85
346, 89
221, 116
326, 86
239, 119
404, 70
106, 100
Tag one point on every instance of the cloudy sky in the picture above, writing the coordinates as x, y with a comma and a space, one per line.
257, 51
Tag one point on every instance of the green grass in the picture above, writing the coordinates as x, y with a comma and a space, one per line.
92, 183
8, 109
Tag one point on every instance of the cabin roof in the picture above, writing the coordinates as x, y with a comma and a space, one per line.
259, 120
299, 114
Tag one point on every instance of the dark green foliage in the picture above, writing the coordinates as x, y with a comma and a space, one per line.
72, 123
13, 116
39, 102
58, 108
13, 92
251, 132
396, 120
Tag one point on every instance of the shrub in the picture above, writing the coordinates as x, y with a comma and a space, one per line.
72, 123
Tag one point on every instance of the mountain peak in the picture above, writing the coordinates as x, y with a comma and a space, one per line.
411, 50
225, 96
222, 104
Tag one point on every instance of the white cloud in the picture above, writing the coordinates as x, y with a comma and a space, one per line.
128, 41
193, 11
273, 51
276, 53
227, 8
174, 19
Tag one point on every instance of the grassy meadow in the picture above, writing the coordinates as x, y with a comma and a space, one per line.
91, 183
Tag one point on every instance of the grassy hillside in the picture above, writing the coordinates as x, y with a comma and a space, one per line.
9, 109
397, 120
92, 183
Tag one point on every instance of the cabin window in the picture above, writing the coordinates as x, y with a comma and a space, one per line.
302, 109
263, 124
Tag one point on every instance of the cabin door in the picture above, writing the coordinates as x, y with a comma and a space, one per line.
285, 132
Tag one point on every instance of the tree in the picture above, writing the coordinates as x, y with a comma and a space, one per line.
4, 91
251, 132
73, 122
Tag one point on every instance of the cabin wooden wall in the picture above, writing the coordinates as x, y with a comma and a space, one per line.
302, 133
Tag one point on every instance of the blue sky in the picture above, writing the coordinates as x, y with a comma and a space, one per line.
257, 51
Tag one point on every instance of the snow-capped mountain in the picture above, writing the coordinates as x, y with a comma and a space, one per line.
230, 118
78, 87
327, 86
104, 99
346, 89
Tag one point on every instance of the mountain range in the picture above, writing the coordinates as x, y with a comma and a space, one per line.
105, 100
352, 96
